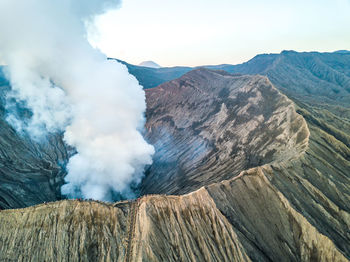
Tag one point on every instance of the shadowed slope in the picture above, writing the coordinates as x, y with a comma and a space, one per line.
30, 172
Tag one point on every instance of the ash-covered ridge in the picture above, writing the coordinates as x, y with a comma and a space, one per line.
208, 126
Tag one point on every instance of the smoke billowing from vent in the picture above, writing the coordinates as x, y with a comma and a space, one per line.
71, 87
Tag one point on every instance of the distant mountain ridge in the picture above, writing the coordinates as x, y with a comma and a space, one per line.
327, 73
306, 74
150, 64
342, 52
151, 77
3, 80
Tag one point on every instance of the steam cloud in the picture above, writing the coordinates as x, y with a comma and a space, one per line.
69, 86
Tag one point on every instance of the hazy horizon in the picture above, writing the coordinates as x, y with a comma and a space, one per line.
301, 51
205, 32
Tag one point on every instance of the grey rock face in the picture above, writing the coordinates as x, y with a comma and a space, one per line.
208, 126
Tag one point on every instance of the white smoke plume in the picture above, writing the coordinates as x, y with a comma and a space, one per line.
69, 86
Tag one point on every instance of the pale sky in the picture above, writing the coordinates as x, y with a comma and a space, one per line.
202, 32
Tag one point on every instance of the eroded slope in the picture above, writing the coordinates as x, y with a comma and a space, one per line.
268, 226
242, 219
209, 125
64, 231
189, 228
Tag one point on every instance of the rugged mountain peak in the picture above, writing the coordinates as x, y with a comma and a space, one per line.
309, 76
209, 125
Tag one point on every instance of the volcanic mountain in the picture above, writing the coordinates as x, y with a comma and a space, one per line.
209, 126
318, 77
151, 77
150, 64
247, 168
